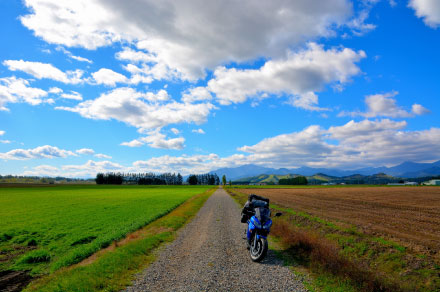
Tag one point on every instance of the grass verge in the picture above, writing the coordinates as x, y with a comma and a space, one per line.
341, 258
113, 269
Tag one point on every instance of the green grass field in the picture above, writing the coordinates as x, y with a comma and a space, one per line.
45, 228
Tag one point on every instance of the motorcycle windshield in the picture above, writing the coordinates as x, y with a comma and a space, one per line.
262, 214
259, 204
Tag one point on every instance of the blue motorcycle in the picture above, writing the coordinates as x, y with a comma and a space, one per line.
257, 215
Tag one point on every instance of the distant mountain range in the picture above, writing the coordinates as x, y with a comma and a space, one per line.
404, 170
320, 178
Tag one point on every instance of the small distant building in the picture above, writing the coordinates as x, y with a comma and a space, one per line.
411, 183
432, 182
258, 184
407, 183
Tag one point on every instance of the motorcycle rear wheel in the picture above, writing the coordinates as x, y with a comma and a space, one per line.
258, 249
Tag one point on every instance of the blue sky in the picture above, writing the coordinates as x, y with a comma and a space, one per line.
91, 86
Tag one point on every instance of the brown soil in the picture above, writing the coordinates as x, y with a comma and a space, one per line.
13, 281
408, 215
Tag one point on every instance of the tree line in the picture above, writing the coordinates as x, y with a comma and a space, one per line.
203, 179
299, 180
112, 178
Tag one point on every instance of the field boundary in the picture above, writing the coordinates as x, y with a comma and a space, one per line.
113, 268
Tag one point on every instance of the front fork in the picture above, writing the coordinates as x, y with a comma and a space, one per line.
250, 231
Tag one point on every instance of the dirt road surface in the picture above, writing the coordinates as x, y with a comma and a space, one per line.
210, 254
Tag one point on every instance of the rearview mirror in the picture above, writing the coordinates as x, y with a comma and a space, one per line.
278, 214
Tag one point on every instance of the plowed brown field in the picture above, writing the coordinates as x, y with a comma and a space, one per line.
408, 215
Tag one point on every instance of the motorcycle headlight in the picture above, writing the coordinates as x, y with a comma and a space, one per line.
267, 224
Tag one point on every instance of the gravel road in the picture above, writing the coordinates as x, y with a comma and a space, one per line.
209, 254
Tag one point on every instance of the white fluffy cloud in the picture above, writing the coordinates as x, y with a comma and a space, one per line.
146, 73
55, 90
108, 77
161, 95
222, 31
429, 10
46, 151
175, 131
133, 143
155, 139
300, 148
198, 131
43, 170
186, 164
13, 90
85, 151
355, 130
132, 107
384, 105
128, 54
418, 109
70, 55
104, 156
44, 71
72, 95
86, 170
299, 76
353, 145
4, 141
196, 94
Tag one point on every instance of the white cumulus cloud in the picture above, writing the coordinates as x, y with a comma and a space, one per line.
351, 145
198, 131
161, 95
418, 109
385, 105
13, 90
299, 76
133, 143
44, 71
196, 94
132, 107
85, 151
86, 170
428, 10
156, 139
55, 90
40, 152
70, 55
168, 30
72, 95
104, 156
108, 77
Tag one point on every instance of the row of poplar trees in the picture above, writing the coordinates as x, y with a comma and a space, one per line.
112, 178
203, 179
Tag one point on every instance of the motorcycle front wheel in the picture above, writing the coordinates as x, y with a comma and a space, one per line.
258, 248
